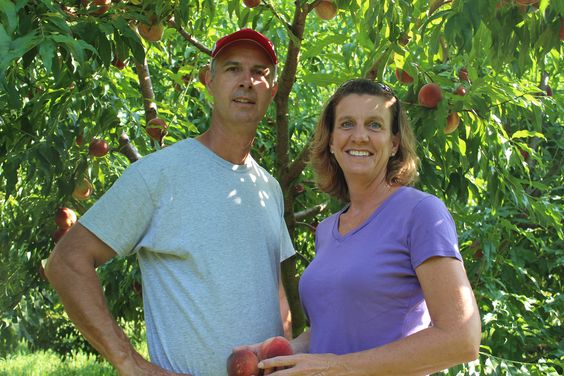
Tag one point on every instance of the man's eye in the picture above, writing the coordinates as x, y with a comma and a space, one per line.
261, 72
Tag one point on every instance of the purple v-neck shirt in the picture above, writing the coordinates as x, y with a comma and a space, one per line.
361, 290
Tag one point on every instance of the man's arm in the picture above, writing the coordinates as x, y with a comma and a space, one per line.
71, 270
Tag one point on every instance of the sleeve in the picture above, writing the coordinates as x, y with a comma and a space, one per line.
122, 215
432, 232
286, 247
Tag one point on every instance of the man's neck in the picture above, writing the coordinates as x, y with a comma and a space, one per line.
231, 146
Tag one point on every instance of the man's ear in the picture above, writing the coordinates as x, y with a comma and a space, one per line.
208, 79
274, 90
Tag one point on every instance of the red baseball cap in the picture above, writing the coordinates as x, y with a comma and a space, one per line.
249, 35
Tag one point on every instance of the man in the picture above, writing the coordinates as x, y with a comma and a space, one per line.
206, 222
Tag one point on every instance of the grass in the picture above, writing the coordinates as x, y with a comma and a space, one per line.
47, 363
23, 362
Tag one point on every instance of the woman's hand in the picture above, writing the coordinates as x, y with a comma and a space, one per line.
305, 364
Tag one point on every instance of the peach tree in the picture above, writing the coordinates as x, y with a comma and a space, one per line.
87, 88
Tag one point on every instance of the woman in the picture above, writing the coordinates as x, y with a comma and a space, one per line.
387, 293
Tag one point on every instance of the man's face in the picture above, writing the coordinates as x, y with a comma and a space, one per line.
241, 84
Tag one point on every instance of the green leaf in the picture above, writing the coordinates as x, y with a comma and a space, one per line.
16, 48
133, 40
11, 18
47, 53
525, 133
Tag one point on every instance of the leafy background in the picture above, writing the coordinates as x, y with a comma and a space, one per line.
499, 172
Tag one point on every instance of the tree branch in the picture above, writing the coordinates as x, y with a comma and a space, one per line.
298, 165
310, 212
281, 100
127, 149
189, 38
146, 90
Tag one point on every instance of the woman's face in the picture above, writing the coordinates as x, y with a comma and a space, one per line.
362, 140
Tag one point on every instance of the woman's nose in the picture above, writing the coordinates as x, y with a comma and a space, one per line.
359, 134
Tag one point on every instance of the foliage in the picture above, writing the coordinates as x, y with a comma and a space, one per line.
499, 172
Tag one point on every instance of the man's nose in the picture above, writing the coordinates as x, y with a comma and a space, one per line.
246, 79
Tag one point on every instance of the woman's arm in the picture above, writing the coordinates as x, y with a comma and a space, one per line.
454, 337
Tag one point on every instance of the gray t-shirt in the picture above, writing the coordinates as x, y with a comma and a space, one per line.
209, 237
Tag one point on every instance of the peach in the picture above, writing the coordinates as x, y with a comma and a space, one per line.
326, 10
242, 363
98, 148
461, 90
65, 218
430, 95
452, 122
275, 346
251, 3
403, 76
156, 128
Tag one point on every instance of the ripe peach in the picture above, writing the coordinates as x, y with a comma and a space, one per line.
98, 148
152, 32
100, 6
242, 363
275, 346
430, 95
251, 3
65, 218
461, 90
82, 190
452, 122
156, 128
463, 74
58, 234
326, 9
403, 76
118, 63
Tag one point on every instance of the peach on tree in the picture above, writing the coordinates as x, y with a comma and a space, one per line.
152, 32
251, 3
460, 90
98, 148
65, 218
82, 190
430, 95
156, 129
326, 10
452, 122
403, 76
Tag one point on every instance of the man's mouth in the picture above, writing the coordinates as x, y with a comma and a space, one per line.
243, 100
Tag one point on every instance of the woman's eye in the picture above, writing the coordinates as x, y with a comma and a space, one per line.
347, 124
374, 125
